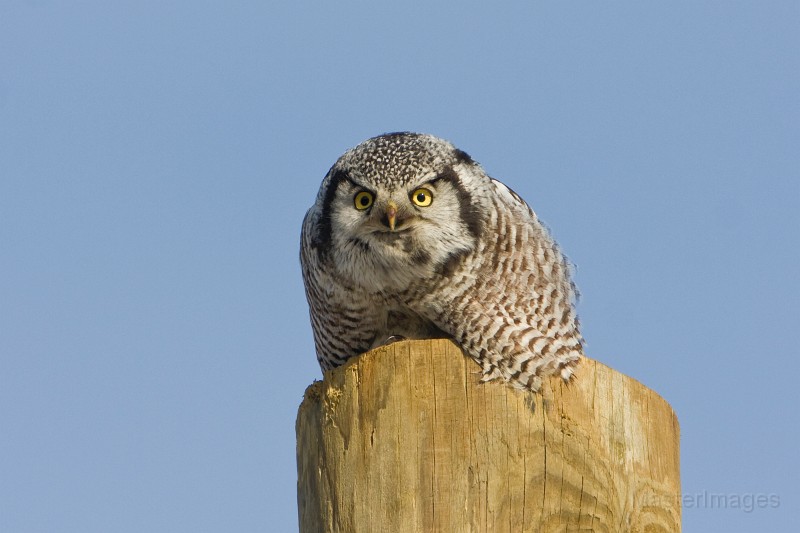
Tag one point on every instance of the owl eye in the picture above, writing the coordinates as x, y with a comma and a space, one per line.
363, 200
422, 197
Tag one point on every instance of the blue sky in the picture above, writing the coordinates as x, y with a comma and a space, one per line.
157, 158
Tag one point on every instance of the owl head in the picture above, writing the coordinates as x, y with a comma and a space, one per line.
399, 208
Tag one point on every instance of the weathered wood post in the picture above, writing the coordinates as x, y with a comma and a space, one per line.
406, 439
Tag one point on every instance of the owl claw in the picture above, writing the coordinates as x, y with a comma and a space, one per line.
393, 338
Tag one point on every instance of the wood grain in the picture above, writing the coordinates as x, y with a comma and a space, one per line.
405, 438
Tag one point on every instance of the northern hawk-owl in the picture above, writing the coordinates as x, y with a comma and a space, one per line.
410, 238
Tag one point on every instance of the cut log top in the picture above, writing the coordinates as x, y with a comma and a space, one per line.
406, 438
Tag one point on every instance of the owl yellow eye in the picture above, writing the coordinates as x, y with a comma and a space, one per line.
363, 200
422, 197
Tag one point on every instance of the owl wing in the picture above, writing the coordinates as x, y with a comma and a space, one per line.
511, 198
517, 318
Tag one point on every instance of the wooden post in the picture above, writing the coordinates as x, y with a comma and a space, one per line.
406, 439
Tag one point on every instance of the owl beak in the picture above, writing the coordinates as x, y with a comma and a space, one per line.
391, 214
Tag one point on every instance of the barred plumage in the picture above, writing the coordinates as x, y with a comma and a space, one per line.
410, 238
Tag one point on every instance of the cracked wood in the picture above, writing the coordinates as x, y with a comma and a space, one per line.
405, 438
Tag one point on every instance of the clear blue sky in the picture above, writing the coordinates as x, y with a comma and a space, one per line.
157, 158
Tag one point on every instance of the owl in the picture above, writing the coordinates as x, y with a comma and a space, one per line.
410, 238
